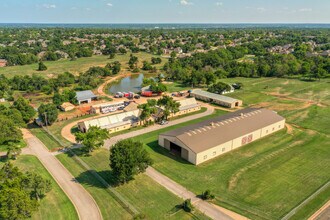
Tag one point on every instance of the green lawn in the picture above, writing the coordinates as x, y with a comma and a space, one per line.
75, 67
147, 196
45, 138
56, 205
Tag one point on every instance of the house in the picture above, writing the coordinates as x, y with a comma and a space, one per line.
206, 140
326, 53
85, 96
113, 123
221, 100
3, 62
66, 106
167, 51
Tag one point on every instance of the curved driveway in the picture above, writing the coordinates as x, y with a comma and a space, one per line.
84, 203
115, 139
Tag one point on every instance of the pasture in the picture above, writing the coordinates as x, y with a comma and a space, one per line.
267, 178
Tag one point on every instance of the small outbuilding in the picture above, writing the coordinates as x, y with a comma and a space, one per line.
85, 96
221, 100
206, 140
66, 106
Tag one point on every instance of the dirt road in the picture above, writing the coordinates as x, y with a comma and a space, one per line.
84, 203
208, 209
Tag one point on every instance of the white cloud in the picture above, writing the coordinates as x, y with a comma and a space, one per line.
261, 9
305, 9
49, 6
186, 2
109, 4
219, 4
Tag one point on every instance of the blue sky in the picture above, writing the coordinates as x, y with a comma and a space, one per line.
164, 11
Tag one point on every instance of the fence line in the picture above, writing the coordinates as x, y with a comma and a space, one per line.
117, 196
294, 211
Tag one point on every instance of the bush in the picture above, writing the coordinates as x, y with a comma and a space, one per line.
207, 195
187, 206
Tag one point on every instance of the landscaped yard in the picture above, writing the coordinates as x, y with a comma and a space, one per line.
56, 205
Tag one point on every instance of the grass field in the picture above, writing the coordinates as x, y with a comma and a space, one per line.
56, 205
75, 67
147, 196
267, 178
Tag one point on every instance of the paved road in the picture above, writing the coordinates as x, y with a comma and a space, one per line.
208, 209
84, 203
115, 139
323, 213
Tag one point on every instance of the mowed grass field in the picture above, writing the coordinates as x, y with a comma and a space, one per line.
56, 205
267, 178
75, 67
147, 196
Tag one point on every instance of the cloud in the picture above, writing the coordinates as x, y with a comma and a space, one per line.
49, 6
186, 2
305, 9
261, 9
219, 4
109, 4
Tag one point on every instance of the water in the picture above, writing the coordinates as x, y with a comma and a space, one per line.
128, 84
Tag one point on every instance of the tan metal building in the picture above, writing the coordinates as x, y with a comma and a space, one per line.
187, 106
206, 140
113, 123
216, 98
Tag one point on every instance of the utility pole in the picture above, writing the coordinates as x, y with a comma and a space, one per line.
46, 120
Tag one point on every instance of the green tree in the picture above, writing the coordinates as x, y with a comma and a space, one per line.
170, 106
42, 66
48, 113
37, 185
133, 61
148, 109
13, 151
219, 88
25, 108
187, 206
9, 132
207, 195
94, 138
127, 159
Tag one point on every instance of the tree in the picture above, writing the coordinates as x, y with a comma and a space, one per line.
13, 151
148, 109
156, 60
207, 195
42, 66
16, 204
9, 132
48, 113
170, 106
187, 206
133, 61
94, 138
127, 159
219, 88
37, 185
25, 108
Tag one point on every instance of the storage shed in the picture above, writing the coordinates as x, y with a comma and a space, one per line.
216, 98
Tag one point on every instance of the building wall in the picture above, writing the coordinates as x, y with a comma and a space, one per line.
221, 103
186, 111
82, 127
211, 153
238, 142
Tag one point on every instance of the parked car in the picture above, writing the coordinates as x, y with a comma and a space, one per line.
163, 122
136, 96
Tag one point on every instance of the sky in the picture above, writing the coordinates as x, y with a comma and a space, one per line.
165, 11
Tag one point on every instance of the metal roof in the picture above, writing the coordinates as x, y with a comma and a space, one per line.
187, 103
84, 95
214, 96
216, 131
113, 120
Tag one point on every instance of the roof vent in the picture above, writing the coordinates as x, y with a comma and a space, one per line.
242, 114
212, 124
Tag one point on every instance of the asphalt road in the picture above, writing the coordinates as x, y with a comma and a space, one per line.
84, 203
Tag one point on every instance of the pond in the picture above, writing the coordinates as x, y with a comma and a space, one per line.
127, 84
